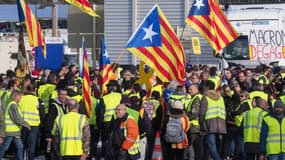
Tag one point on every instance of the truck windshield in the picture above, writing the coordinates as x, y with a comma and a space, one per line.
237, 50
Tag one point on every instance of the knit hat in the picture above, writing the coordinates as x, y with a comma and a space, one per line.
177, 105
278, 103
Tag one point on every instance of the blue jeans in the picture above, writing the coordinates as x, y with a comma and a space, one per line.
18, 143
212, 146
239, 148
280, 156
29, 139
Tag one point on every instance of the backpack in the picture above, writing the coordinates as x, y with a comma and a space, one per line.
174, 132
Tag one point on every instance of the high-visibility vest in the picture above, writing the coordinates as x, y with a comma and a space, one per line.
111, 101
59, 109
179, 97
77, 98
264, 79
158, 88
156, 104
260, 94
134, 113
239, 118
11, 126
216, 80
252, 124
92, 119
70, 128
29, 105
216, 109
45, 92
135, 148
189, 108
275, 140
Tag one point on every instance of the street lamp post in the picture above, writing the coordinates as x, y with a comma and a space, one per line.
54, 18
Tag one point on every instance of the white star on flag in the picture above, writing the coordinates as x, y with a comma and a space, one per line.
105, 54
199, 4
149, 33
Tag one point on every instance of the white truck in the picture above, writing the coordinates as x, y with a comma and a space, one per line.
262, 34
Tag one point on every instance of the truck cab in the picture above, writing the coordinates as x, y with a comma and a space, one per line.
262, 34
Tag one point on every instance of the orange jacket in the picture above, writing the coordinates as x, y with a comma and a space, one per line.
132, 133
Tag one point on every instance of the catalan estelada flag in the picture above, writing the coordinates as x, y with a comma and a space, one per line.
106, 67
33, 27
156, 43
84, 5
207, 18
86, 92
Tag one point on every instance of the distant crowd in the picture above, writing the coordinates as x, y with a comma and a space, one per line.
236, 113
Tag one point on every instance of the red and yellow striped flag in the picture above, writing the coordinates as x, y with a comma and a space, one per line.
207, 18
156, 43
84, 5
86, 92
34, 30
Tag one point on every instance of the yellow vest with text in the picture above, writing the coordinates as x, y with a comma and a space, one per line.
135, 148
111, 101
216, 109
29, 105
275, 140
70, 129
11, 126
252, 124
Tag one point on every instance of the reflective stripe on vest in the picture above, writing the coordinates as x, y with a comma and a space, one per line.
216, 109
259, 94
11, 126
189, 109
135, 148
275, 140
111, 101
29, 106
70, 129
59, 109
239, 118
252, 124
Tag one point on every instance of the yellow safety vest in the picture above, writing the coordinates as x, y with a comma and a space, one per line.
189, 108
29, 105
260, 94
182, 98
70, 128
265, 78
45, 92
11, 126
216, 109
111, 101
239, 118
92, 119
216, 80
158, 88
135, 148
252, 124
275, 140
59, 109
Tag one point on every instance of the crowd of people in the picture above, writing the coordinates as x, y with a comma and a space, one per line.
235, 114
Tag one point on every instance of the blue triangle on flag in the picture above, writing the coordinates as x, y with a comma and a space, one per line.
148, 33
200, 8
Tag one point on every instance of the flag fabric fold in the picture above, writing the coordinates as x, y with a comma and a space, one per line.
207, 18
84, 5
86, 92
156, 43
106, 67
33, 28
